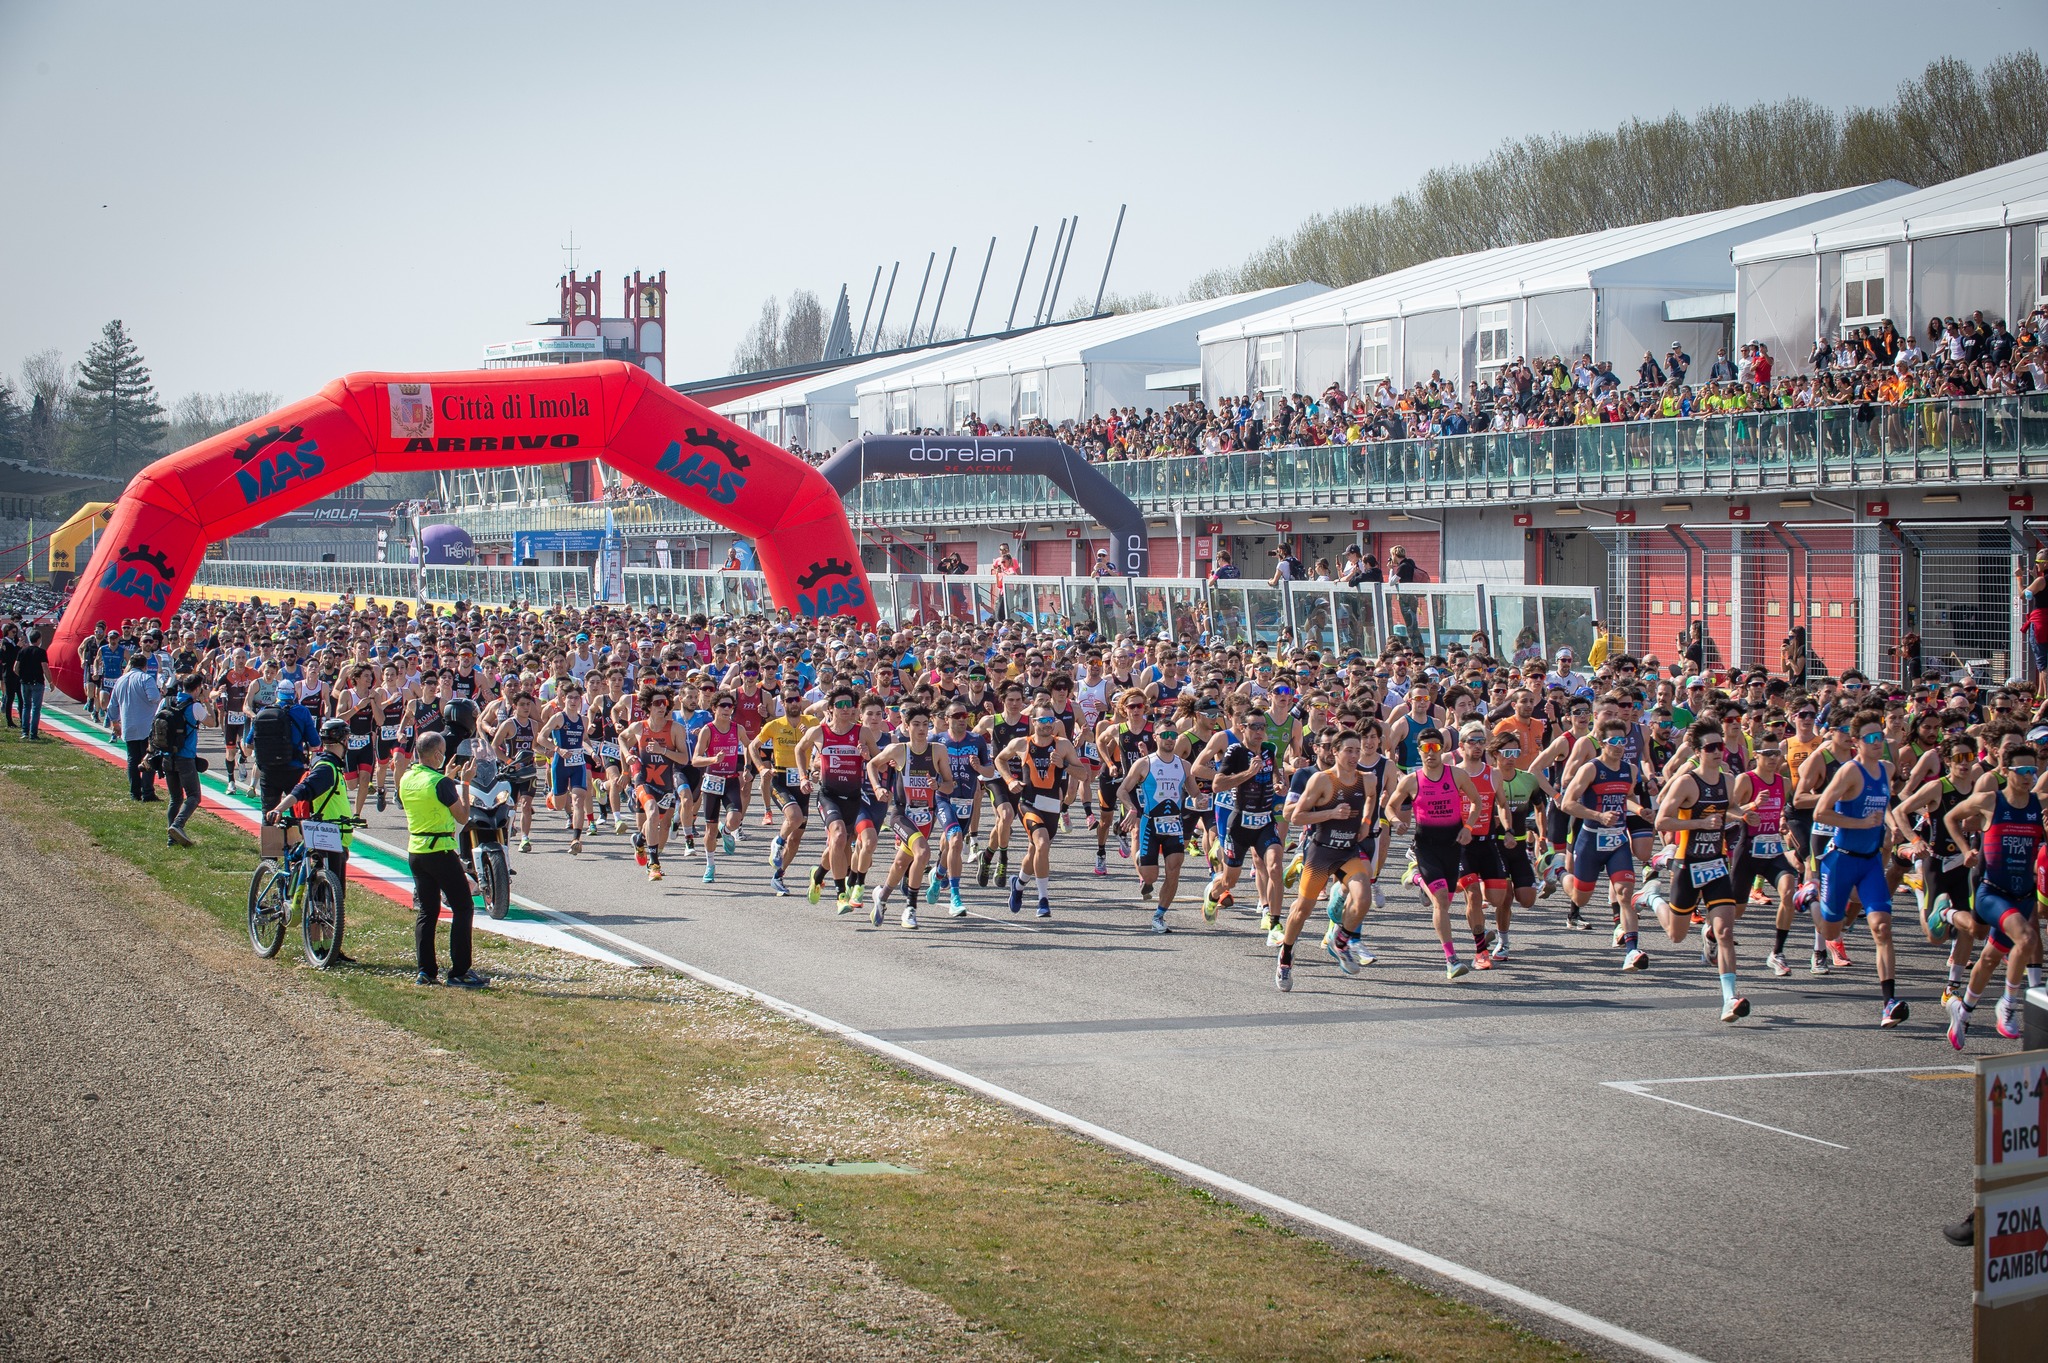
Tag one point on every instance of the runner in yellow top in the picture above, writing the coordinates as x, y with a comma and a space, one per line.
774, 754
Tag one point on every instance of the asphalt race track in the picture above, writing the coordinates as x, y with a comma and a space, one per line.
1483, 1120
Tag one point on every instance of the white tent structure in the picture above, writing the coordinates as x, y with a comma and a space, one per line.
1979, 242
819, 411
1611, 294
1058, 374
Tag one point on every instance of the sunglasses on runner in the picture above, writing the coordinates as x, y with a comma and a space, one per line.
1874, 736
2023, 771
842, 705
1712, 745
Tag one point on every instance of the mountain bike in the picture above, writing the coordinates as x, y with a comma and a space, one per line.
303, 881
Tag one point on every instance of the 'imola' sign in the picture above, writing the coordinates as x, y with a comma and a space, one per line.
1066, 466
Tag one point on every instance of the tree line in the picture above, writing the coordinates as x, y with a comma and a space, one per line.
103, 415
1950, 121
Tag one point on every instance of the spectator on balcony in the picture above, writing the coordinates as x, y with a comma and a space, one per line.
952, 564
1224, 570
1676, 362
1286, 567
1649, 374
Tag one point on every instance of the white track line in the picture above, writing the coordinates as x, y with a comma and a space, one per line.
1235, 1189
1642, 1092
1641, 1089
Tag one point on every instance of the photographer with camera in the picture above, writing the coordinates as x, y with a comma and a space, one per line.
174, 745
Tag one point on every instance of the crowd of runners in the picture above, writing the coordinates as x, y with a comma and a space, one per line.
1328, 794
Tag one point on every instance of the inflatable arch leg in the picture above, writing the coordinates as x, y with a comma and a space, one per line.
372, 423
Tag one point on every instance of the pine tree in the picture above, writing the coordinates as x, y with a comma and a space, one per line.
117, 421
13, 424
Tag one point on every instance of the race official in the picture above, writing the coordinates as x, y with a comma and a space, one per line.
434, 813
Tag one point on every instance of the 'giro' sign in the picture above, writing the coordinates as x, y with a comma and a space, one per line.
1065, 466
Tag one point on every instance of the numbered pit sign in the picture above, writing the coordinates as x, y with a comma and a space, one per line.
2012, 1115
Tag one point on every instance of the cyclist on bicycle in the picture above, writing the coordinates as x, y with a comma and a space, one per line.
323, 797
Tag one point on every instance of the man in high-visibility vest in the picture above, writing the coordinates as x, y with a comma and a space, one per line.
434, 814
322, 796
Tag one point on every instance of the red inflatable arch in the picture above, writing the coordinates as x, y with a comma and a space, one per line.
396, 423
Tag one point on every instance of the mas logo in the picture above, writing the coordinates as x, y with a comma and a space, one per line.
816, 597
697, 469
280, 458
140, 574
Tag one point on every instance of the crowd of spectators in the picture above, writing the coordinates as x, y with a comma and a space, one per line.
1863, 369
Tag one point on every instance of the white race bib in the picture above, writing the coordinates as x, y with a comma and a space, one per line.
713, 785
917, 814
963, 809
1255, 818
1046, 804
320, 837
793, 778
1167, 825
1088, 751
572, 757
389, 733
358, 741
607, 750
1704, 872
1766, 846
1609, 839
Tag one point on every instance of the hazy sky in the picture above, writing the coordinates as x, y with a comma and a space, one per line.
272, 195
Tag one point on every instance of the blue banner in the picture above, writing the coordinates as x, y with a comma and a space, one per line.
528, 544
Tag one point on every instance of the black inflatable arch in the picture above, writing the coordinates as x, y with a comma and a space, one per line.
1066, 466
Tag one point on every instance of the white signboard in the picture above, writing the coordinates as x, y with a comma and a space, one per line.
2015, 1116
2012, 1242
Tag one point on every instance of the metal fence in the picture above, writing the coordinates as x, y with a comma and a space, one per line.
1518, 622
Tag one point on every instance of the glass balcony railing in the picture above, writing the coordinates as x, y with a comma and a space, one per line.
1941, 441
1521, 622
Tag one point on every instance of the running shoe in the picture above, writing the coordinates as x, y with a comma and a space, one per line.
981, 877
1208, 907
1895, 1012
1044, 907
775, 884
1804, 895
1738, 1007
1637, 959
654, 870
1482, 959
1409, 871
618, 823
854, 894
971, 851
1091, 818
909, 919
526, 844
2008, 1018
1550, 883
1346, 962
1779, 967
1499, 946
1283, 978
1455, 969
1619, 932
1576, 921
817, 884
710, 872
1360, 954
875, 913
1958, 1021
1707, 948
1016, 895
1938, 925
380, 801
844, 904
1819, 964
1101, 865
1159, 922
1379, 898
726, 844
1265, 920
953, 904
1275, 935
1291, 877
1147, 892
639, 850
1838, 952
575, 847
1123, 848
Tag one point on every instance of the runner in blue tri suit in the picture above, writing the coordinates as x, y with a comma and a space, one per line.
2007, 807
1854, 803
